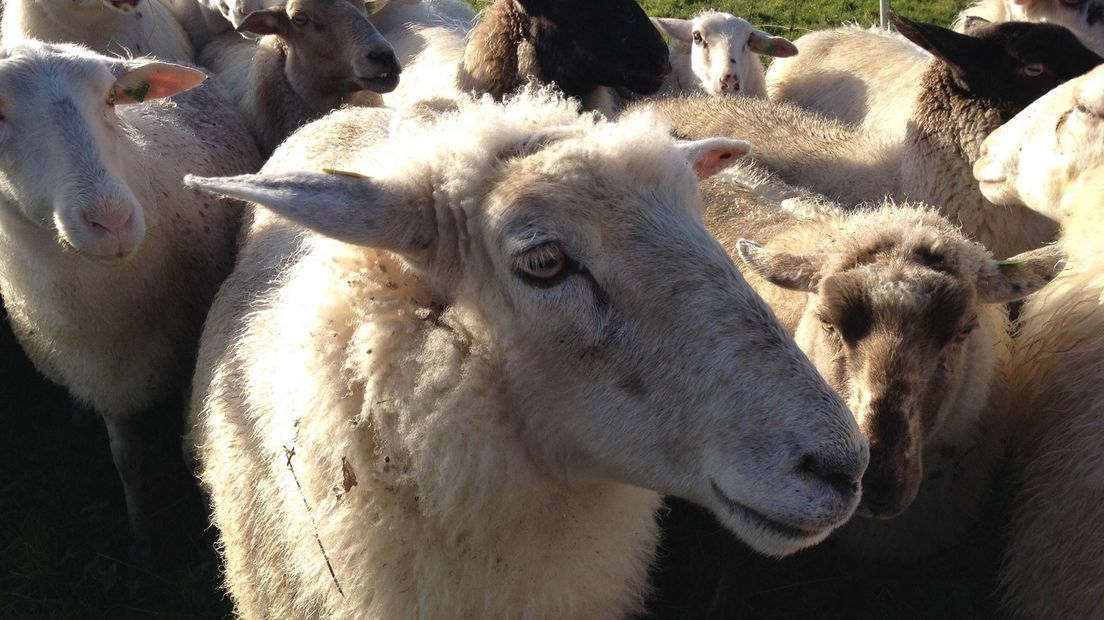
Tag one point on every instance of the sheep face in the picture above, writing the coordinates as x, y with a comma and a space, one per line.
1084, 17
722, 48
235, 11
891, 323
61, 166
1032, 158
332, 48
1011, 63
579, 44
628, 346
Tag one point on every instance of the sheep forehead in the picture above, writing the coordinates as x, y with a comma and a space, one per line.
905, 299
34, 68
913, 237
716, 23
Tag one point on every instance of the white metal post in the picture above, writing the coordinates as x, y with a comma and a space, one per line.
884, 13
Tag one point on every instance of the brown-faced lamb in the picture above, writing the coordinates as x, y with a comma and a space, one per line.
719, 53
501, 335
1049, 157
589, 50
123, 28
905, 319
313, 56
108, 263
962, 102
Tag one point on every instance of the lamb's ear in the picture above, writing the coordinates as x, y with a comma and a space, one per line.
677, 29
710, 156
1017, 277
790, 271
343, 206
154, 80
762, 43
973, 23
268, 21
962, 52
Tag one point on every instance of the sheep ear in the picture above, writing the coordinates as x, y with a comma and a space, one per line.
341, 205
155, 80
268, 21
763, 43
960, 51
1017, 277
677, 29
790, 271
710, 156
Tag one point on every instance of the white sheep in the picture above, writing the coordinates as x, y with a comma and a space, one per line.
108, 263
905, 319
718, 53
115, 27
501, 331
314, 56
960, 104
1084, 17
1050, 158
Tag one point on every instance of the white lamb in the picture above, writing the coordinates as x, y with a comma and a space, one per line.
115, 27
107, 263
500, 333
718, 53
1050, 157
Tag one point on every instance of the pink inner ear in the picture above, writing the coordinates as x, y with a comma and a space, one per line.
155, 81
713, 161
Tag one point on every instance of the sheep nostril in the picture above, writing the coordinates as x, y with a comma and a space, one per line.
836, 475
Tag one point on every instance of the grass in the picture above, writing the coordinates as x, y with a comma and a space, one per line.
63, 524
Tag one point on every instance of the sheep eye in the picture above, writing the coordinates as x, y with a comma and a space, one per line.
1033, 70
827, 327
299, 19
543, 266
965, 332
1073, 2
698, 38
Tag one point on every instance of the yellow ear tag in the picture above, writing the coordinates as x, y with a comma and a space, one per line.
344, 173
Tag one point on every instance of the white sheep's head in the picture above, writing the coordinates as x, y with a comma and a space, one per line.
63, 10
896, 322
235, 11
61, 165
723, 49
332, 48
627, 346
1031, 159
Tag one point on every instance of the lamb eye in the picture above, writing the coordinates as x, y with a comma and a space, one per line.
543, 265
299, 19
1033, 70
1073, 2
698, 38
111, 98
965, 332
827, 327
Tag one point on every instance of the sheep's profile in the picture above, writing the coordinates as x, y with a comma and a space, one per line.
108, 263
961, 104
905, 319
507, 331
314, 55
835, 73
114, 27
719, 53
1049, 157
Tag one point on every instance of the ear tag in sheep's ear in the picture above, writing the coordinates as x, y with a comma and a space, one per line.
345, 173
155, 80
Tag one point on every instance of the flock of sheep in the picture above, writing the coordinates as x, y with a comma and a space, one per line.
457, 299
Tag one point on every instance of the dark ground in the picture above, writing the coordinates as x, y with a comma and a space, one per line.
63, 541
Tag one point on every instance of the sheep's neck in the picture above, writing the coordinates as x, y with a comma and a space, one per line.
492, 58
943, 105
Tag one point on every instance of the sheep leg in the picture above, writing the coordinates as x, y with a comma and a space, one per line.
126, 451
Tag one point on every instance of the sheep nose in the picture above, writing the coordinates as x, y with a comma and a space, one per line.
385, 59
842, 475
114, 222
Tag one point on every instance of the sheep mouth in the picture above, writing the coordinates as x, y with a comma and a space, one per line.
382, 83
761, 520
